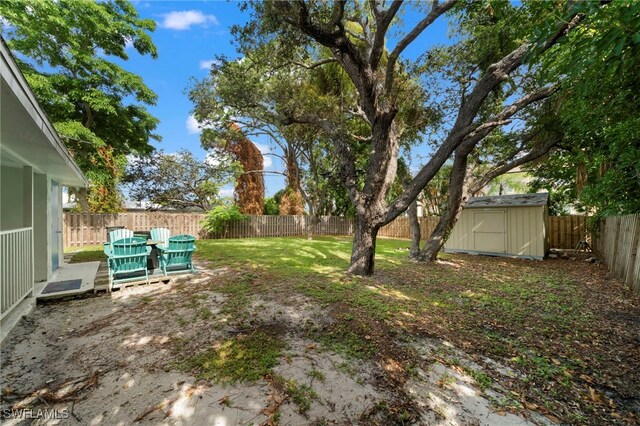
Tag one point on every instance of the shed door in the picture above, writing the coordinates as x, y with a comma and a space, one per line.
490, 231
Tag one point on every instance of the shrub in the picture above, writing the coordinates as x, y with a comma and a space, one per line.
220, 216
271, 207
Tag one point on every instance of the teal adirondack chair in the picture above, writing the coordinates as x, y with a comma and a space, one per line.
118, 234
177, 255
127, 260
161, 234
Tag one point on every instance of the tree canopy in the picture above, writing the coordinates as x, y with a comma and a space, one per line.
179, 181
67, 50
597, 167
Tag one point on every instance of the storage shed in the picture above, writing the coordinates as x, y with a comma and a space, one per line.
503, 225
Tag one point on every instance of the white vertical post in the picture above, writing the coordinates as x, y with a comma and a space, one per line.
27, 211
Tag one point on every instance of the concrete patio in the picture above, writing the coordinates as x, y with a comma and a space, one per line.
69, 271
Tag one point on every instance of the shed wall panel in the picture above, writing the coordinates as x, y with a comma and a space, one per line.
525, 231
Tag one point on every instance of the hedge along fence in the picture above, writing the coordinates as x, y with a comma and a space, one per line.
86, 229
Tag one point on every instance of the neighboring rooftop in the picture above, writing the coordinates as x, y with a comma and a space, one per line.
515, 200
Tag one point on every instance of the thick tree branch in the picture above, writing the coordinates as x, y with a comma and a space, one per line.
337, 40
337, 14
383, 20
315, 64
496, 73
503, 117
436, 11
504, 167
328, 37
88, 115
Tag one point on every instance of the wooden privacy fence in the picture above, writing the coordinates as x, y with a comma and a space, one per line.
284, 226
399, 228
81, 229
85, 229
619, 247
565, 232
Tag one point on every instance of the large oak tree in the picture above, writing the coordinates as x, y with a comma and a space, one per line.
378, 80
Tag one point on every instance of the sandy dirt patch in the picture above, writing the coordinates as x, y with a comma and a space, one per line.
111, 360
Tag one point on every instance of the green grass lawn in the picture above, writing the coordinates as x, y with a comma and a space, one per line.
323, 255
557, 323
86, 254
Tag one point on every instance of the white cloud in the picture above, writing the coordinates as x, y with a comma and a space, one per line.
205, 65
226, 192
128, 44
215, 158
183, 20
193, 127
263, 147
5, 24
267, 162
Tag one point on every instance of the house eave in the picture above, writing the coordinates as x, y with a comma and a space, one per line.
55, 161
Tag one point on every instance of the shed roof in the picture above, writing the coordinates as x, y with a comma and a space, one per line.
515, 200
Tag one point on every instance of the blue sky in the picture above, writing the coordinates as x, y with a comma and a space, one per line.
189, 34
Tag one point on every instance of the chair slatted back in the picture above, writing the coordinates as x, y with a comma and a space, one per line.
179, 257
182, 243
130, 254
180, 250
161, 234
119, 234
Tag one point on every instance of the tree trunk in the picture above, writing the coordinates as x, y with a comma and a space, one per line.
81, 196
313, 220
414, 228
364, 247
437, 239
458, 193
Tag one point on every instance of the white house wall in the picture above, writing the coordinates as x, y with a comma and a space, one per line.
11, 198
16, 212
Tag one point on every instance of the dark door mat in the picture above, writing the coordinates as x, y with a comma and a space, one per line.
62, 286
